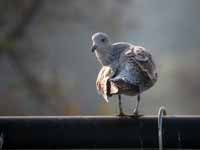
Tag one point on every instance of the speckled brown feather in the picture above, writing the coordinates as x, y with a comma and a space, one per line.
102, 82
144, 61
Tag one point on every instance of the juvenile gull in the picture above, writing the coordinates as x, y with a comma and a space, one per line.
126, 69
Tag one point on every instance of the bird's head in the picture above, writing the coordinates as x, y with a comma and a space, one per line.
101, 42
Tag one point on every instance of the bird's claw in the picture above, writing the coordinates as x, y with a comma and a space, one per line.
136, 114
121, 114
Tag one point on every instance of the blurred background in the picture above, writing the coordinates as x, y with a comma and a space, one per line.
47, 68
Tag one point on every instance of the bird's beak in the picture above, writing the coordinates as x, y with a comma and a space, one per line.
94, 47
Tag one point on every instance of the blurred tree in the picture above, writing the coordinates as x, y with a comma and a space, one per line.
26, 10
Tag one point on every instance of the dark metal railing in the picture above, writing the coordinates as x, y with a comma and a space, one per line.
99, 132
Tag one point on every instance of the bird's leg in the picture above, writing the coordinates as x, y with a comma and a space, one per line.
120, 106
135, 112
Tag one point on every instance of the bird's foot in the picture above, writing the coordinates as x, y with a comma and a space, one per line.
136, 114
121, 114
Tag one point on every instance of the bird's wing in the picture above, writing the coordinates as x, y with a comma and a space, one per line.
102, 83
143, 59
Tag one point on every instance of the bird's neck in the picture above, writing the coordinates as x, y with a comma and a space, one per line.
105, 57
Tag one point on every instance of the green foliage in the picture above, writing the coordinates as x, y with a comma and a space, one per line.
7, 45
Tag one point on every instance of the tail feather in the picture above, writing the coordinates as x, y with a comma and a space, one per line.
119, 86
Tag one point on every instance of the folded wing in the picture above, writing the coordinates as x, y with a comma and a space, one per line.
144, 60
137, 71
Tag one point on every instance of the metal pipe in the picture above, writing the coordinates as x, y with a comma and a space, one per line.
99, 132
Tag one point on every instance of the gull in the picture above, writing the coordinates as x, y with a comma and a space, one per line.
126, 69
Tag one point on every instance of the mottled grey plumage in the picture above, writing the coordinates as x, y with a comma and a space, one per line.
126, 69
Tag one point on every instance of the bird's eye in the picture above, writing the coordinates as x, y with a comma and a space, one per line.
102, 40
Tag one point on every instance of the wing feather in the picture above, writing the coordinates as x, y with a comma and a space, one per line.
143, 59
102, 83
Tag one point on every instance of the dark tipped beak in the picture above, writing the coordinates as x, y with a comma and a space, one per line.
94, 47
